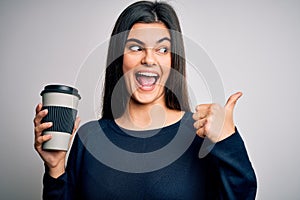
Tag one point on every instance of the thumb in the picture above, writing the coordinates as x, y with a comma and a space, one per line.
76, 124
232, 100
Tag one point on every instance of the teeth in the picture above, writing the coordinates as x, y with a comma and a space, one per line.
147, 74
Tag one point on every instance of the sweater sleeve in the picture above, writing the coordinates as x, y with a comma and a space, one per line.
236, 175
64, 187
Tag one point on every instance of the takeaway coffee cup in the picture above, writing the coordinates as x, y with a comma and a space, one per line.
61, 102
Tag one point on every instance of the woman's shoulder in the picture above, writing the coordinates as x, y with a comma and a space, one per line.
94, 124
91, 127
188, 116
187, 120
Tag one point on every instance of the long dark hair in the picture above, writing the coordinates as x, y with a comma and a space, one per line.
176, 95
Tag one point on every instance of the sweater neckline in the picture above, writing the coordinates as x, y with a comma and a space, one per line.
150, 132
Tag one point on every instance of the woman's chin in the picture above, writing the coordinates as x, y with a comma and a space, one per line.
147, 96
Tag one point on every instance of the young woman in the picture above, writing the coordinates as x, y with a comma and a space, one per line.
145, 107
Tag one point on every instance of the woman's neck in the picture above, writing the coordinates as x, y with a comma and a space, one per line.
148, 116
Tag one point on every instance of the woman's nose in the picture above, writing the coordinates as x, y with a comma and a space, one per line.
148, 58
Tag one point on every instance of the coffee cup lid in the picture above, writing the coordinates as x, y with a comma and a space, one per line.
61, 89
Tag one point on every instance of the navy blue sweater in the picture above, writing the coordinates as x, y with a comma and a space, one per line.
154, 167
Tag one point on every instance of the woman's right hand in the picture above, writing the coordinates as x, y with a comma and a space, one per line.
55, 160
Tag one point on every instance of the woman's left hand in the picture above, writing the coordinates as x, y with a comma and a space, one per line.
215, 121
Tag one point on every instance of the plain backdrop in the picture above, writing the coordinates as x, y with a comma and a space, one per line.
254, 46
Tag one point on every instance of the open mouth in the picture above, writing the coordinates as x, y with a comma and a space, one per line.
146, 79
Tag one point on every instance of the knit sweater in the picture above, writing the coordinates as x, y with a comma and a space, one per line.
108, 162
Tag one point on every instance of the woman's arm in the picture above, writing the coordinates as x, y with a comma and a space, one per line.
235, 173
65, 186
237, 179
58, 183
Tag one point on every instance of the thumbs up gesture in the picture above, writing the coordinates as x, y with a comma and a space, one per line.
215, 121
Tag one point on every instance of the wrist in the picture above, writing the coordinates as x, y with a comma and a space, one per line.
57, 170
227, 132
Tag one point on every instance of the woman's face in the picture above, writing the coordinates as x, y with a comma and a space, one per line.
147, 62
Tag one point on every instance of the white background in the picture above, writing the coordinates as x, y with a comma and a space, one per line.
254, 45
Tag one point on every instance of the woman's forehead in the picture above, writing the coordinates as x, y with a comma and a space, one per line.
149, 32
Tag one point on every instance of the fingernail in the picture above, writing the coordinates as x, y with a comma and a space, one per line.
49, 123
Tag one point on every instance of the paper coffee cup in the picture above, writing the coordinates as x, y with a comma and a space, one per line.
61, 102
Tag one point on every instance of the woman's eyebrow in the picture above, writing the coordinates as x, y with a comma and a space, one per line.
135, 40
163, 39
142, 43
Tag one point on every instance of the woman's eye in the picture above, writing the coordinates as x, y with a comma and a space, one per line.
135, 48
163, 50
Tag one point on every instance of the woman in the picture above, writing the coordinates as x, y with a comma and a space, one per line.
145, 80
